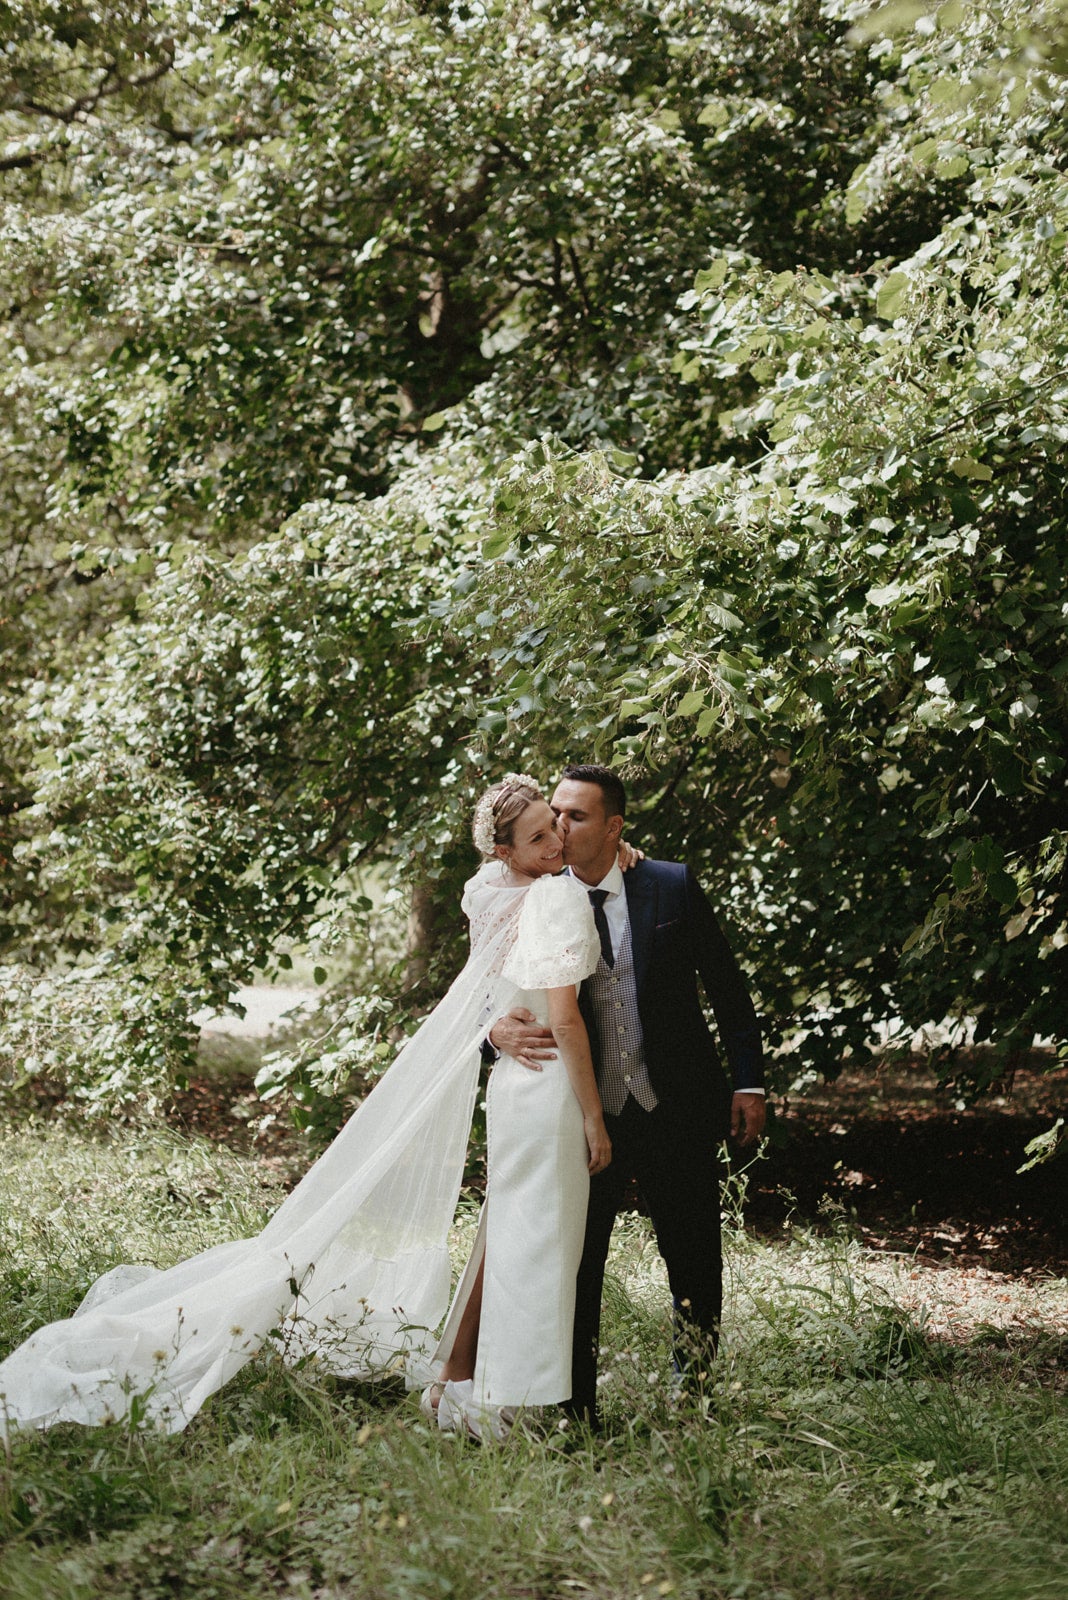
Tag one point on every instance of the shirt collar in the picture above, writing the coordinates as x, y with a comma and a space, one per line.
612, 882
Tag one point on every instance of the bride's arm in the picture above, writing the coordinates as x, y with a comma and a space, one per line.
573, 1044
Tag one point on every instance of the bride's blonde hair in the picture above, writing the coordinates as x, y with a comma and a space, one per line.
500, 808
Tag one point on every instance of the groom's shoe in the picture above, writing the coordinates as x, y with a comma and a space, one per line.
581, 1422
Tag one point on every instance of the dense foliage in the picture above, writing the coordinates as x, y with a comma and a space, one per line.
392, 392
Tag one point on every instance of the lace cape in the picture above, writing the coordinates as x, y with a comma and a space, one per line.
557, 941
354, 1266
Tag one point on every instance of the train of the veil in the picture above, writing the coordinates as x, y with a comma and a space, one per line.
353, 1268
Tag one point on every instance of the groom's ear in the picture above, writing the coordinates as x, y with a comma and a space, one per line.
615, 828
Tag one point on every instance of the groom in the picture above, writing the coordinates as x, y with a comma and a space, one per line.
666, 1099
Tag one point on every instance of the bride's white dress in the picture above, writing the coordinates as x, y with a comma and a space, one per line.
354, 1266
532, 1225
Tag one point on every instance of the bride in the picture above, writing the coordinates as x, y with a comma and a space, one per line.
353, 1269
507, 1341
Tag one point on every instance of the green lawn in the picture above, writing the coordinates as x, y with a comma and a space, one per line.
873, 1431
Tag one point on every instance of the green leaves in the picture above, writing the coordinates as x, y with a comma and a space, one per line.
892, 296
690, 703
710, 278
889, 19
968, 467
710, 424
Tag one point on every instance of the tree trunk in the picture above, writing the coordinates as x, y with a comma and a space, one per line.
423, 920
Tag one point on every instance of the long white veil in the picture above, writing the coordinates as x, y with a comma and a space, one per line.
353, 1267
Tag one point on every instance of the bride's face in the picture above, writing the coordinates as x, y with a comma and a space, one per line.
536, 847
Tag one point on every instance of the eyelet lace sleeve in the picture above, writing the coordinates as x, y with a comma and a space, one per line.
556, 943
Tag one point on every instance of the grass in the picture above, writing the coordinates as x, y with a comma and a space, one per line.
861, 1441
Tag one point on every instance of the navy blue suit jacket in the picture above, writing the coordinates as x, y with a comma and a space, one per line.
676, 940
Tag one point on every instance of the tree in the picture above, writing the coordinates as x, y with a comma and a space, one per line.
806, 587
876, 607
247, 266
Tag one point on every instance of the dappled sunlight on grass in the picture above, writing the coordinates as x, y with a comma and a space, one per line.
72, 1205
845, 1447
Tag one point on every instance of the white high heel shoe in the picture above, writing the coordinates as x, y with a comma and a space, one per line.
459, 1412
454, 1407
426, 1400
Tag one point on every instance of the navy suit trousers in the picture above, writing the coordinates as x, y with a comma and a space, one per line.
675, 1165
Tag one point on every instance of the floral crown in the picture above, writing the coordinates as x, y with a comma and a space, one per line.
484, 822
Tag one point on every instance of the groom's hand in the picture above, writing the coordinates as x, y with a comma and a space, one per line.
748, 1112
521, 1036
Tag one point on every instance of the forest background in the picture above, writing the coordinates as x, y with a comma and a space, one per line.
392, 393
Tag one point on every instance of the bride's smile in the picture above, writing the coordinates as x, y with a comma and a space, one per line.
536, 846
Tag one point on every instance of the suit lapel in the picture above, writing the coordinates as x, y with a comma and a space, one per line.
641, 890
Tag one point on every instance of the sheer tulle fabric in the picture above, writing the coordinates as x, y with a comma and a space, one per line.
353, 1267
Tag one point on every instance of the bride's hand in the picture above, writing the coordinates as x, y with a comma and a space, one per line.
598, 1144
629, 855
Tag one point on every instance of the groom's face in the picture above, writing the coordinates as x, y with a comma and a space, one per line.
590, 836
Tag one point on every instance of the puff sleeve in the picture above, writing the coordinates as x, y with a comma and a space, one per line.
556, 940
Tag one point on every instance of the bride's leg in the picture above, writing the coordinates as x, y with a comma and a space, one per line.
461, 1362
460, 1410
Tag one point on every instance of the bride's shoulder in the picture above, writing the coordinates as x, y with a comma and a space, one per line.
562, 896
557, 940
492, 876
561, 889
489, 872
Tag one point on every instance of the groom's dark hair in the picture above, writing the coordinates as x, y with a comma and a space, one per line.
611, 787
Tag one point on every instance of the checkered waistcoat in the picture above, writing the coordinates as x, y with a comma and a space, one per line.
620, 1059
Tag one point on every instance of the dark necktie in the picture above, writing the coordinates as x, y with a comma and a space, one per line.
600, 922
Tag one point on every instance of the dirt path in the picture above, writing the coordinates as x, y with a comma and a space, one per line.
917, 1172
264, 1008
